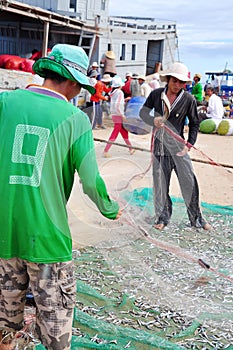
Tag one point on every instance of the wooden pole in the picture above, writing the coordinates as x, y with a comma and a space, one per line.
147, 150
45, 39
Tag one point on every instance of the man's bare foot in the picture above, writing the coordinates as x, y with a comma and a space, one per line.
207, 227
5, 341
159, 227
106, 155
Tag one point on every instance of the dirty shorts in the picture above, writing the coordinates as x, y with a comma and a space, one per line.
54, 289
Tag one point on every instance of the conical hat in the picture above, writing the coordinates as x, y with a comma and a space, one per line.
110, 54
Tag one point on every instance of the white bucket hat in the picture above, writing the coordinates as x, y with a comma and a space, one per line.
106, 78
95, 64
156, 76
142, 77
69, 61
128, 74
117, 82
177, 70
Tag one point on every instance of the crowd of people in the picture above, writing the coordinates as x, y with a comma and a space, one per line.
97, 105
112, 93
176, 108
209, 103
104, 77
173, 107
45, 139
134, 85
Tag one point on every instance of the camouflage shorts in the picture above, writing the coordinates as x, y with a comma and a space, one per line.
54, 290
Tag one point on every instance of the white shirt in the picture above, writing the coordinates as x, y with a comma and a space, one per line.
215, 107
117, 102
154, 84
145, 90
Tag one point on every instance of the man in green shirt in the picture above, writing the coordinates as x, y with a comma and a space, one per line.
44, 141
197, 90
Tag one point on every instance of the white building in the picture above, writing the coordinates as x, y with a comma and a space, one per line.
141, 45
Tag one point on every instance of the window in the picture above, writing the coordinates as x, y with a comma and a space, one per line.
133, 55
122, 58
103, 5
97, 20
8, 31
73, 4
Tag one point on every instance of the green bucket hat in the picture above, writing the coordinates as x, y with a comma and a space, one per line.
69, 61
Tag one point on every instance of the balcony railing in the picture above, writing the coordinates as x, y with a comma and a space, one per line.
144, 24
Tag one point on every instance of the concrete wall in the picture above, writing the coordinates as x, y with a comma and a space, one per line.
91, 10
117, 37
12, 79
45, 4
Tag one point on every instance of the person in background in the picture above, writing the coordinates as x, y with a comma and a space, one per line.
44, 140
135, 89
215, 107
126, 87
154, 83
89, 104
117, 112
106, 80
171, 105
197, 90
94, 67
36, 54
108, 63
97, 99
215, 83
145, 88
206, 97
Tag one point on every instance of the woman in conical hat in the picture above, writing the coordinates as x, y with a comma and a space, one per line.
109, 63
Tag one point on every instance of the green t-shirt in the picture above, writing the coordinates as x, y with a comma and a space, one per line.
43, 141
197, 92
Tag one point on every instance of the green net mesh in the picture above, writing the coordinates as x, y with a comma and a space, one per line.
138, 294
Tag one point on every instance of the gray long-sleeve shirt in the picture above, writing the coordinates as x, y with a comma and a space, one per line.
184, 105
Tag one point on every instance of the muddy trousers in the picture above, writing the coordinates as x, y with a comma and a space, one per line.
162, 170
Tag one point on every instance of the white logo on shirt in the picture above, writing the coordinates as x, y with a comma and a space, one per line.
36, 160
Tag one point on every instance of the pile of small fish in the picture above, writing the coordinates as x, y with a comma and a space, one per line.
154, 291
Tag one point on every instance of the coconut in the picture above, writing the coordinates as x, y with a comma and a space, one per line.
209, 126
225, 127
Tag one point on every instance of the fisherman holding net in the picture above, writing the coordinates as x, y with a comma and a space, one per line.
170, 106
44, 141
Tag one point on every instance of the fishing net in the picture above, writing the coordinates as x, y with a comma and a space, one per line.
134, 294
139, 288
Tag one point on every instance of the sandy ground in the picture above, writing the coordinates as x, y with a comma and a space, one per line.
215, 182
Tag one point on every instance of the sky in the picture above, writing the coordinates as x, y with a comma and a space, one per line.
204, 28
